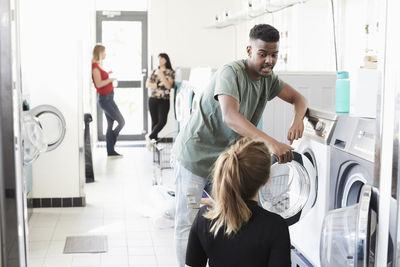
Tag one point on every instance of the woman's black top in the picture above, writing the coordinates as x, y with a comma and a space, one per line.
263, 241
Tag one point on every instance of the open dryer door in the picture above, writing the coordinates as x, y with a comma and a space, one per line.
349, 234
291, 189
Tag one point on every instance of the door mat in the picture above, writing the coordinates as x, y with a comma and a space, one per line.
86, 244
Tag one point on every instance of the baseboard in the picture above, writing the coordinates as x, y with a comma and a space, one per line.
58, 202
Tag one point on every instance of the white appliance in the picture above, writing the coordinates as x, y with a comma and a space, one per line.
301, 196
183, 103
189, 93
317, 87
364, 93
349, 232
199, 79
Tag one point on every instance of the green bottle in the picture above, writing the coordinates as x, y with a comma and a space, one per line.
342, 99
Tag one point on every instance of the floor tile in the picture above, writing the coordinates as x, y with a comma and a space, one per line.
40, 233
86, 260
59, 261
114, 260
38, 262
120, 205
56, 248
38, 249
141, 250
170, 259
142, 260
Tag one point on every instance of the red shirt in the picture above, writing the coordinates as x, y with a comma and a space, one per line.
104, 76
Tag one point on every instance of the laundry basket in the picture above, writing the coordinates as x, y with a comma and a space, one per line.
162, 150
162, 153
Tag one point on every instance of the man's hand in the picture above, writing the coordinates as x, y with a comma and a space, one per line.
291, 96
282, 151
296, 130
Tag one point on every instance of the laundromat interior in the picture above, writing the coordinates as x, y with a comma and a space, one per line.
76, 189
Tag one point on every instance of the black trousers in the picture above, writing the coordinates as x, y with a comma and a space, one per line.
159, 109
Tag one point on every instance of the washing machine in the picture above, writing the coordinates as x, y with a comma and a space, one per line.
298, 191
183, 103
349, 232
352, 160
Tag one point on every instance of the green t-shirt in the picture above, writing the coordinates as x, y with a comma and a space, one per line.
206, 136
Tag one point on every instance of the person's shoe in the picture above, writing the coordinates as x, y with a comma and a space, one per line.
149, 145
153, 143
115, 155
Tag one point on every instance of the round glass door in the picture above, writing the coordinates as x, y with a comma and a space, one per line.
291, 189
34, 141
53, 124
43, 130
348, 234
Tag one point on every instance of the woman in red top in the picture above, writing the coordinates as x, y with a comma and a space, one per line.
105, 90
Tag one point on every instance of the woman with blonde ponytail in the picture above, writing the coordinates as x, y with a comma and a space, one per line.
235, 231
105, 90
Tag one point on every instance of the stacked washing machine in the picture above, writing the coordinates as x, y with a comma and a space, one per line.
349, 232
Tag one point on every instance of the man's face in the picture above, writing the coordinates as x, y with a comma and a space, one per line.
262, 57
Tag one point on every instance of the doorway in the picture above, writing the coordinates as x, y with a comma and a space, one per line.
124, 34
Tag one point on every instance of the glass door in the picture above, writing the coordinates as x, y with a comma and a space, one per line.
124, 34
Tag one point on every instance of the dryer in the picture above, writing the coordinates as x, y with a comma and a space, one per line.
306, 179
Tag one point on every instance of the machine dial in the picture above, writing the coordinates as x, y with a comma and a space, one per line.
319, 126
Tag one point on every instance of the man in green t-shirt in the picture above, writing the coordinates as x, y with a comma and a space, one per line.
230, 107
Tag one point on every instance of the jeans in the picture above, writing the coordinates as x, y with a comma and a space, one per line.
159, 109
112, 113
188, 192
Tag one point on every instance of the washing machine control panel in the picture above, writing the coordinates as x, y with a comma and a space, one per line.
318, 129
363, 141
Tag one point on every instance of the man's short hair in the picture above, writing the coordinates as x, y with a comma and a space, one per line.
264, 32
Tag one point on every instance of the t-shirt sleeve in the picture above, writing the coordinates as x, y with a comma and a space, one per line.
195, 254
280, 251
276, 86
226, 83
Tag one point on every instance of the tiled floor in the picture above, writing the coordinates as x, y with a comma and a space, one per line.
121, 204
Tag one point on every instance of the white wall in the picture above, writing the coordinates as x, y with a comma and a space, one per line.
55, 54
177, 27
121, 5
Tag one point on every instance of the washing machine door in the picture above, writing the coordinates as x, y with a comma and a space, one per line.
34, 141
53, 124
183, 104
291, 189
179, 106
349, 234
351, 178
43, 130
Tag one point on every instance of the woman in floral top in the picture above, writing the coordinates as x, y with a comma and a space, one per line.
160, 82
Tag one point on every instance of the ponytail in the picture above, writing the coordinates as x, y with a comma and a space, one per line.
238, 174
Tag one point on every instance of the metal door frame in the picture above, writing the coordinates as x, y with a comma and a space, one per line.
126, 16
13, 221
